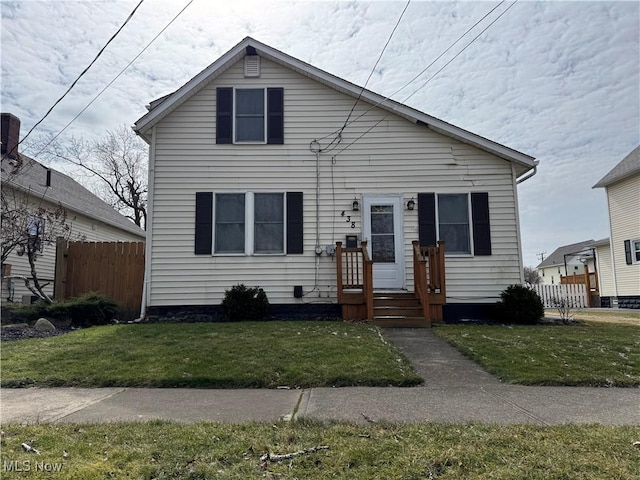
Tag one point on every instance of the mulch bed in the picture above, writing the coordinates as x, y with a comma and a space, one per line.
12, 333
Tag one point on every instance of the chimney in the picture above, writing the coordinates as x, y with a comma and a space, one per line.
10, 135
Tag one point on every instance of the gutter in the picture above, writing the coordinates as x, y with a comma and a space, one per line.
529, 175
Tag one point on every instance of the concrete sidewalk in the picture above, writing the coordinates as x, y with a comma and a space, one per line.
455, 390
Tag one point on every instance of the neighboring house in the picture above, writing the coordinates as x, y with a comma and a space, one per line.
622, 185
605, 271
566, 260
88, 217
257, 169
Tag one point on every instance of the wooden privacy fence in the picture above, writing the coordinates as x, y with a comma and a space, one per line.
574, 294
115, 269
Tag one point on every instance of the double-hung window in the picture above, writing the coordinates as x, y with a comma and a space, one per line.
268, 223
461, 220
250, 115
250, 106
251, 223
230, 223
454, 222
632, 251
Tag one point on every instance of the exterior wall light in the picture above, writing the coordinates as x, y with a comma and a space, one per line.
355, 206
411, 204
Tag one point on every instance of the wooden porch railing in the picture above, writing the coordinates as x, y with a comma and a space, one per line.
355, 276
429, 278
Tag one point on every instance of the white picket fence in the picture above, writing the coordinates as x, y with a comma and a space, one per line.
576, 295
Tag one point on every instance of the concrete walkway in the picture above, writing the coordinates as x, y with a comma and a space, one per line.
455, 390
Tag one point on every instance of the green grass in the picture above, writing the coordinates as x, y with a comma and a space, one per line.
209, 355
593, 354
373, 451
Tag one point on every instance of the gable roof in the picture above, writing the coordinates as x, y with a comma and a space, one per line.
161, 107
65, 191
557, 257
628, 166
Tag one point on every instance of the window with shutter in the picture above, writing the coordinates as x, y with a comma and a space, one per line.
249, 223
461, 220
250, 115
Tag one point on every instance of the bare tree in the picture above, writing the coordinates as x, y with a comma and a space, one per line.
531, 276
119, 162
26, 227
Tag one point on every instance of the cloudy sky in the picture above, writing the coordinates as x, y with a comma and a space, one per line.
556, 80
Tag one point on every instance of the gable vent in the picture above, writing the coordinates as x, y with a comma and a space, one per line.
252, 66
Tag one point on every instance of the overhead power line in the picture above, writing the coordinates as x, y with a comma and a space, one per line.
430, 78
115, 78
376, 64
337, 134
81, 73
436, 59
460, 52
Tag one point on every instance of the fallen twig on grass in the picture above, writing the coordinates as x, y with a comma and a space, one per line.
29, 449
270, 457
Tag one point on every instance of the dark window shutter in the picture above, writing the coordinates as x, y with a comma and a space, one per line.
427, 219
294, 223
224, 115
275, 116
204, 223
481, 227
627, 252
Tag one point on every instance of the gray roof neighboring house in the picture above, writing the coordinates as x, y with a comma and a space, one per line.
628, 166
63, 190
558, 255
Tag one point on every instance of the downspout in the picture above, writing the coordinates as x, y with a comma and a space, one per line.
611, 246
149, 225
518, 234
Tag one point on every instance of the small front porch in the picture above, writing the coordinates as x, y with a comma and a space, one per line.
391, 308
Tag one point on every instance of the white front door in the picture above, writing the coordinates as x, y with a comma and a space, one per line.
382, 225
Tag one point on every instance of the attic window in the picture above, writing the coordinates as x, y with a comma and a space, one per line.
252, 66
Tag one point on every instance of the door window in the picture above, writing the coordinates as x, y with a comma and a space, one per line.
383, 248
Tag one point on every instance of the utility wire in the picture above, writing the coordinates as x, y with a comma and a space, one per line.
115, 78
347, 123
460, 52
337, 134
430, 78
435, 60
81, 74
376, 64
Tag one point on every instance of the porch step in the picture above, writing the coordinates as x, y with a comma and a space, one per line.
398, 310
395, 310
396, 321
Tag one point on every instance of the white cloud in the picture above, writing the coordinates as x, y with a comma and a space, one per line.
556, 80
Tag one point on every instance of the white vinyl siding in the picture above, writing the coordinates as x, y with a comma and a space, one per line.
81, 227
624, 214
396, 157
605, 271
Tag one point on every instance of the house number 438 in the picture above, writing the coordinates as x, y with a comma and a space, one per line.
348, 219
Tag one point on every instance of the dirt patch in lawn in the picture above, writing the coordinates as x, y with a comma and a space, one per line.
630, 318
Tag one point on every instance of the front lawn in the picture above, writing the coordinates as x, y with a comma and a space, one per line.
593, 354
209, 355
420, 451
